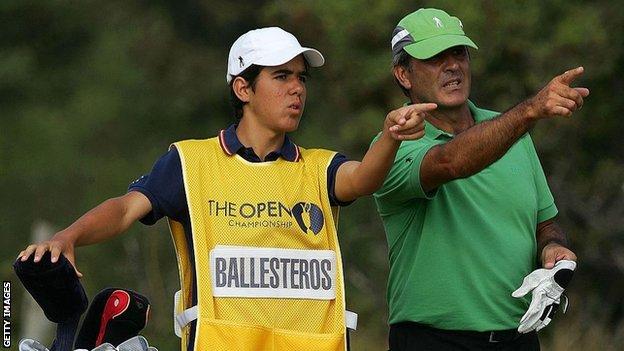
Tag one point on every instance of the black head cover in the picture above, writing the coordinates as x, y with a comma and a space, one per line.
115, 315
55, 287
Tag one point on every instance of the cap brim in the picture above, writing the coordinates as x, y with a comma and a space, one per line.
312, 56
428, 48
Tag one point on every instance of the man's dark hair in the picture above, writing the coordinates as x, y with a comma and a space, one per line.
402, 59
249, 75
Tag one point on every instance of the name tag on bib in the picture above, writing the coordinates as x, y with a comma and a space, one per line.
273, 273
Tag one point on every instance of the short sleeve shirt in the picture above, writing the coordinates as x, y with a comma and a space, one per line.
457, 253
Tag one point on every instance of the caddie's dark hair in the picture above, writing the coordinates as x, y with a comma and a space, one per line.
249, 75
403, 59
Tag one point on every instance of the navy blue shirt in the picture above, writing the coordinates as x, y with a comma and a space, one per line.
164, 186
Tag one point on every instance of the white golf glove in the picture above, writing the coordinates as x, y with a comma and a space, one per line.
547, 286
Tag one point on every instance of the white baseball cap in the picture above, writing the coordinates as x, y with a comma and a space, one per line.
271, 46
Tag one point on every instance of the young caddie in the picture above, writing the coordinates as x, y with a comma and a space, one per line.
251, 213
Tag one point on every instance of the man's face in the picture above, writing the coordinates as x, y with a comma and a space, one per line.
443, 78
279, 95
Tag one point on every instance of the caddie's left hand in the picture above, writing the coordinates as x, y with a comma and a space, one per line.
407, 122
547, 286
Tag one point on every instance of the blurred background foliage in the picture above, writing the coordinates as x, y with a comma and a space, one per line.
93, 92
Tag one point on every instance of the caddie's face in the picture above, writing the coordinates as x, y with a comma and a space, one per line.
443, 79
280, 95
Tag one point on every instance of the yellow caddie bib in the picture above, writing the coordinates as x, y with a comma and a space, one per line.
265, 252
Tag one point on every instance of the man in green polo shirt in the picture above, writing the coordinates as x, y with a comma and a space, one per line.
466, 209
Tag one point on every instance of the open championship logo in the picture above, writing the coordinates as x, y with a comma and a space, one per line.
308, 216
269, 214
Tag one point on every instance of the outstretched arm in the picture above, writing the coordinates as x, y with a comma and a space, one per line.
355, 179
103, 222
479, 146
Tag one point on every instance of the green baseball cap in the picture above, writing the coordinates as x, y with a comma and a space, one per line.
427, 32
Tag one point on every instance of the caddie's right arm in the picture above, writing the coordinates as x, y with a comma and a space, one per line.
479, 146
107, 220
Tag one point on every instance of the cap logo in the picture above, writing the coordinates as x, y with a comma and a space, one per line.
438, 22
241, 62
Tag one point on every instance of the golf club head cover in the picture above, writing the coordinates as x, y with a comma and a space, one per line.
57, 290
547, 287
115, 315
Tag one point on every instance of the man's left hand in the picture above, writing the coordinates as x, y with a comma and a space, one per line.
555, 252
546, 286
